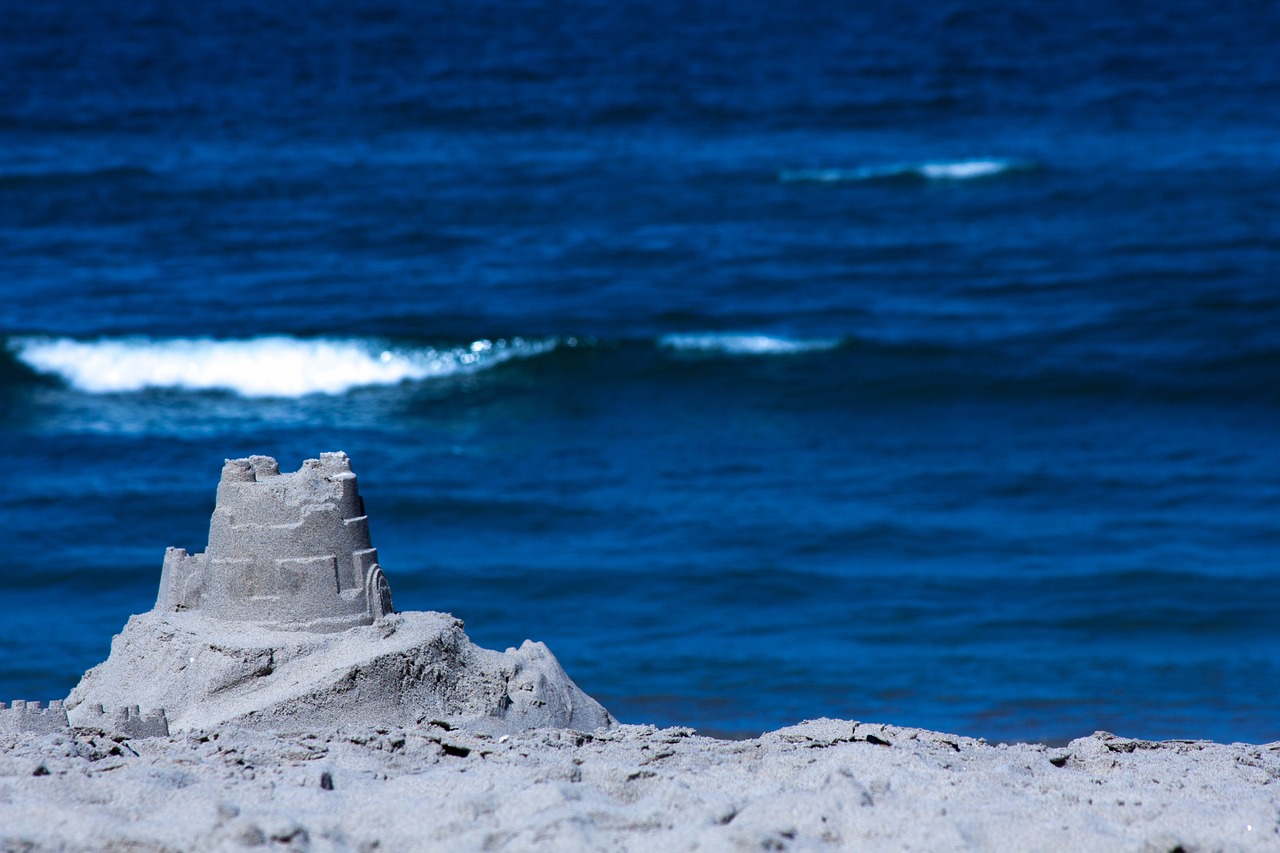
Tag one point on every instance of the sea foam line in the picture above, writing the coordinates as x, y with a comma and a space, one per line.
258, 367
735, 343
940, 170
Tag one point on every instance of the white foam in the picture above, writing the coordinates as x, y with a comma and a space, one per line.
964, 170
257, 367
730, 343
940, 170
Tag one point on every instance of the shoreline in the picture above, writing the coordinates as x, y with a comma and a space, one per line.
820, 785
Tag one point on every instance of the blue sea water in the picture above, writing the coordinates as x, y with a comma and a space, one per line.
916, 364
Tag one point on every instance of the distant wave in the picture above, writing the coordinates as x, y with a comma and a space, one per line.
941, 170
257, 367
730, 343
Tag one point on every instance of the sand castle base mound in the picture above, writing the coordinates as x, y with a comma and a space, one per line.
403, 670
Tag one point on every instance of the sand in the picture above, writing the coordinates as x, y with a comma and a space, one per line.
821, 785
407, 668
404, 735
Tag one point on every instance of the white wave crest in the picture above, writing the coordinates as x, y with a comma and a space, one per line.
964, 170
729, 343
941, 170
257, 367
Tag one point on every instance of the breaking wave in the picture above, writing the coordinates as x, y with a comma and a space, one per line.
729, 343
258, 367
942, 170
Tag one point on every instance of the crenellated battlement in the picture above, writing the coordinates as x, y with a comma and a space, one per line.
129, 721
289, 551
23, 716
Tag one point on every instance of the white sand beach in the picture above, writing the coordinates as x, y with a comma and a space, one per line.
821, 785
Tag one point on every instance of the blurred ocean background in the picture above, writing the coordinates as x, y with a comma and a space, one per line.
904, 363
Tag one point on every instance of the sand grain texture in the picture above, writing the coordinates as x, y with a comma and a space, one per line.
822, 785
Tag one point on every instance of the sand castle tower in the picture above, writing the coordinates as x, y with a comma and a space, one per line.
287, 551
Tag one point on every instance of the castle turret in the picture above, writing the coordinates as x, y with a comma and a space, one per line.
290, 551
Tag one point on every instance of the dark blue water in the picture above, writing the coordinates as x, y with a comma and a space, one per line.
912, 364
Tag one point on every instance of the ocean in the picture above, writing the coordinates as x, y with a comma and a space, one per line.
912, 364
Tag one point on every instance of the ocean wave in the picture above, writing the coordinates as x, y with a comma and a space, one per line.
258, 367
939, 170
731, 343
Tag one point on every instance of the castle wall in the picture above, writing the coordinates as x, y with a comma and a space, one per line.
181, 580
129, 721
32, 717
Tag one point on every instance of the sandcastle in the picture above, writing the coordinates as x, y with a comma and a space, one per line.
289, 551
127, 721
285, 622
24, 716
